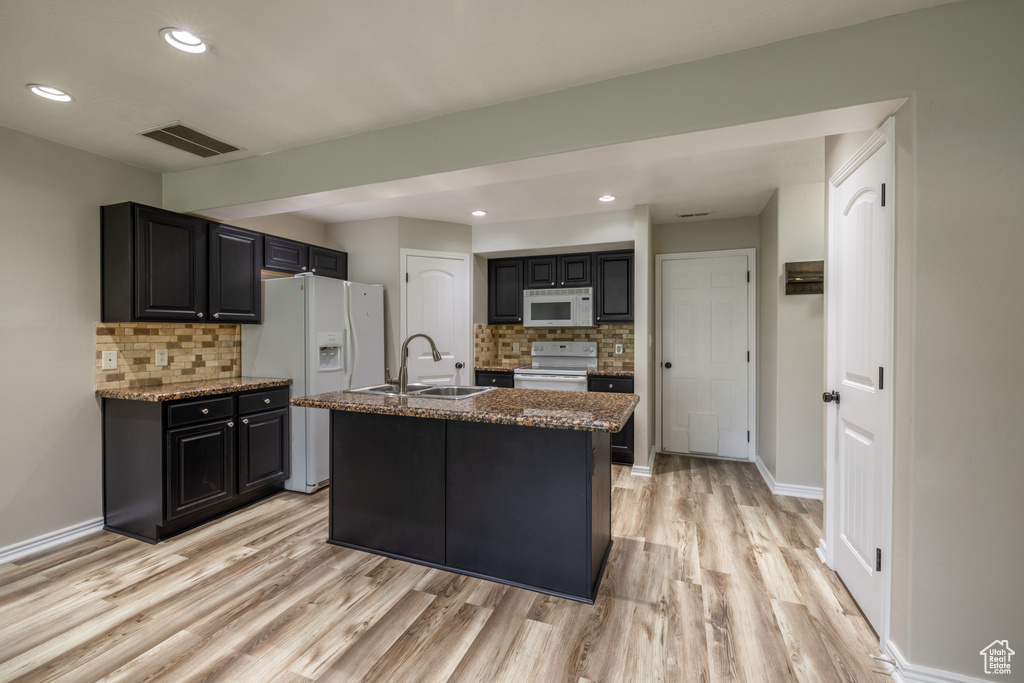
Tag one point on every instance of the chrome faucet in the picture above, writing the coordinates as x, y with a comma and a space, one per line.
403, 372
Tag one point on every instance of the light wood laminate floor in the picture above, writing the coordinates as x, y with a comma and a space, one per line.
710, 578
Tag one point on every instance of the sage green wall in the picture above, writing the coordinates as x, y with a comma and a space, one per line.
50, 433
768, 337
707, 235
961, 64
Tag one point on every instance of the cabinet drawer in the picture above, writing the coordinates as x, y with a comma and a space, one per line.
186, 412
495, 379
615, 385
262, 400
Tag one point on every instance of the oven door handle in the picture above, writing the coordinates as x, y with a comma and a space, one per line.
547, 378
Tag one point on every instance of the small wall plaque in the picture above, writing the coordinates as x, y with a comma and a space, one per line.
805, 277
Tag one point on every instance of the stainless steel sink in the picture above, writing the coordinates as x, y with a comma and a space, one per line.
453, 392
423, 390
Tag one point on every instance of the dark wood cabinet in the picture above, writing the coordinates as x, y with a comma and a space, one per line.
560, 270
169, 466
200, 467
541, 272
236, 256
284, 255
622, 440
574, 270
154, 264
610, 273
504, 291
495, 379
328, 262
614, 295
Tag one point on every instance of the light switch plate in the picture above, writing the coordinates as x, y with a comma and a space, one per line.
618, 349
161, 357
110, 360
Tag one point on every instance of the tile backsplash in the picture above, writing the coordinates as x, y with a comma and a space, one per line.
493, 343
194, 351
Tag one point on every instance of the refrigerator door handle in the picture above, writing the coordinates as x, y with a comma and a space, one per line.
350, 339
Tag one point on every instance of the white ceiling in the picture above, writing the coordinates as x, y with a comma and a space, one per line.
280, 75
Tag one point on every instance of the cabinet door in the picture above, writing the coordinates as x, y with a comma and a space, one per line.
328, 263
200, 467
622, 440
170, 265
504, 291
541, 272
236, 256
284, 255
574, 270
263, 452
614, 287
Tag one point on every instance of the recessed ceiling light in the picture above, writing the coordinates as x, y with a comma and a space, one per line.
49, 92
606, 198
478, 212
183, 40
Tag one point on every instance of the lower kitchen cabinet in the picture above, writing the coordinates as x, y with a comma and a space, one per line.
622, 440
495, 379
169, 466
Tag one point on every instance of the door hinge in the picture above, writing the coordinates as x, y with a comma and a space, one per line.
407, 277
748, 436
748, 276
883, 194
878, 559
881, 378
748, 356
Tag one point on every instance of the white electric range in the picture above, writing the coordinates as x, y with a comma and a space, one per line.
561, 366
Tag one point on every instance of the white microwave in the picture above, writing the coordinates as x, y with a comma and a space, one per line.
558, 307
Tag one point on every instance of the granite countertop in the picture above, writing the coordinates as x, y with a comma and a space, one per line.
603, 369
577, 410
207, 387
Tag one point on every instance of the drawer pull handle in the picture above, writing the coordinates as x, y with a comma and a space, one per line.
494, 381
611, 386
216, 315
199, 314
231, 424
266, 400
245, 420
206, 411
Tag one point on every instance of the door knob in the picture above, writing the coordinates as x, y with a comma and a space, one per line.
668, 365
459, 366
830, 396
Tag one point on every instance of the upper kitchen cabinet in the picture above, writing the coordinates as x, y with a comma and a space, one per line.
614, 286
504, 291
154, 265
328, 262
288, 256
561, 270
236, 256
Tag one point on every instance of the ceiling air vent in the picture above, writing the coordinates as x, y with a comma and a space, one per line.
694, 215
176, 134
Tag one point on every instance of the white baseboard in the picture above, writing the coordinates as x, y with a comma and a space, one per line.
905, 672
639, 471
47, 541
795, 490
820, 550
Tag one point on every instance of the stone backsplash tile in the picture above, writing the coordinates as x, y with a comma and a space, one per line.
194, 352
493, 343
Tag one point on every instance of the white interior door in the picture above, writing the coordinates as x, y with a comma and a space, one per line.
859, 347
705, 353
435, 301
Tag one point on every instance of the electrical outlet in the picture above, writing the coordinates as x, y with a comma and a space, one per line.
110, 360
515, 347
618, 349
161, 357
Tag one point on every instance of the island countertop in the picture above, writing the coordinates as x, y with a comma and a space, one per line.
580, 411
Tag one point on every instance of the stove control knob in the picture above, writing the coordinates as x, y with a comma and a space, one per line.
538, 348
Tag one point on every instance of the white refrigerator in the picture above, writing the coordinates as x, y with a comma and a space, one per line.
324, 335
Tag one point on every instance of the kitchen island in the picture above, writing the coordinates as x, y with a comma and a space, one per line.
513, 485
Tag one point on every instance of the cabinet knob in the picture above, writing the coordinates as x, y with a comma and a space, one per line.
519, 319
200, 314
552, 284
245, 420
206, 411
494, 380
313, 270
303, 267
562, 283
231, 424
216, 315
611, 386
266, 400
